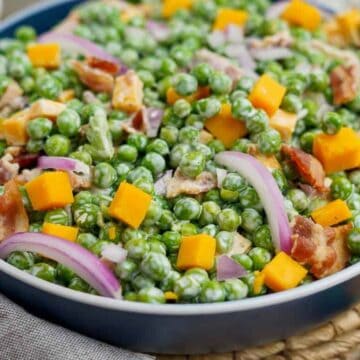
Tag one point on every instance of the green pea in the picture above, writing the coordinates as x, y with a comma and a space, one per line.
182, 108
210, 210
211, 292
39, 128
260, 257
169, 134
82, 156
192, 164
249, 198
126, 269
68, 122
187, 228
202, 73
57, 145
210, 229
241, 145
153, 214
48, 87
235, 289
292, 103
245, 83
166, 220
280, 179
139, 172
262, 238
242, 108
168, 283
25, 33
220, 83
122, 171
224, 241
151, 295
142, 282
87, 216
64, 274
208, 108
251, 220
145, 185
34, 146
187, 209
244, 260
189, 135
319, 80
155, 265
78, 284
228, 220
44, 271
35, 227
185, 84
331, 123
257, 122
86, 240
19, 66
216, 146
198, 274
57, 216
299, 199
341, 188
307, 140
127, 153
269, 142
21, 260
137, 248
156, 246
353, 241
104, 175
187, 288
158, 146
172, 240
181, 55
154, 162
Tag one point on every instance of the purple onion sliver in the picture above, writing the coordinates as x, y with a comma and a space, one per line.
227, 268
264, 183
85, 264
155, 117
114, 253
62, 163
158, 30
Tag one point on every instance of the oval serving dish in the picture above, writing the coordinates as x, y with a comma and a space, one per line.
173, 329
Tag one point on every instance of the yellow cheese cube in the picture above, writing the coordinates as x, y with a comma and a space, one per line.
228, 16
66, 232
50, 190
45, 55
130, 205
196, 251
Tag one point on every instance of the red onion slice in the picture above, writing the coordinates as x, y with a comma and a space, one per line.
63, 163
154, 117
114, 253
263, 182
81, 261
227, 268
78, 45
160, 31
220, 176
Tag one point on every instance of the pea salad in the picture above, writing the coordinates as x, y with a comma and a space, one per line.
182, 151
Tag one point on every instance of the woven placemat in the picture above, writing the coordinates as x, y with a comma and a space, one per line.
337, 340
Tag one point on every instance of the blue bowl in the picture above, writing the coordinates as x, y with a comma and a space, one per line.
174, 329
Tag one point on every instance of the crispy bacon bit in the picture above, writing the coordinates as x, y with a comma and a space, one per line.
12, 100
26, 161
219, 63
27, 175
280, 39
180, 184
322, 249
13, 216
139, 122
79, 182
8, 170
96, 79
344, 83
104, 65
307, 166
241, 245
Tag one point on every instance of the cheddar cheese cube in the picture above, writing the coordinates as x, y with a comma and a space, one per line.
196, 251
170, 7
172, 96
332, 213
14, 129
225, 127
65, 232
130, 205
50, 190
228, 16
338, 152
283, 273
300, 13
267, 94
46, 108
45, 55
284, 122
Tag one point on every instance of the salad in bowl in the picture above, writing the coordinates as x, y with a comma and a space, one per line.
182, 151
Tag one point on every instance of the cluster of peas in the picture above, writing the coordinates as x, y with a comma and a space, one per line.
89, 133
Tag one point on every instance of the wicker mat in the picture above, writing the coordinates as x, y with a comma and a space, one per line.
336, 340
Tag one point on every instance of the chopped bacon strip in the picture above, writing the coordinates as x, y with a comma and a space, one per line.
8, 170
280, 39
79, 182
307, 166
26, 161
322, 249
96, 79
344, 83
12, 92
137, 123
13, 216
104, 65
180, 184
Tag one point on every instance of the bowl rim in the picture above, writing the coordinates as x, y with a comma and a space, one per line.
183, 309
163, 309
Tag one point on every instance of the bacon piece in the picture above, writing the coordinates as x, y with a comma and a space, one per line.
13, 216
27, 175
280, 39
308, 167
26, 161
96, 79
344, 83
180, 184
241, 245
12, 100
8, 170
102, 64
79, 182
323, 249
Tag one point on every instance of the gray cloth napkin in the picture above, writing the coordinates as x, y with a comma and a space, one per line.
24, 336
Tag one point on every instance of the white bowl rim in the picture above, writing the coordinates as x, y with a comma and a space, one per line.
183, 309
165, 309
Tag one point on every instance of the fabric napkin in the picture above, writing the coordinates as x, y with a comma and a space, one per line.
25, 337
